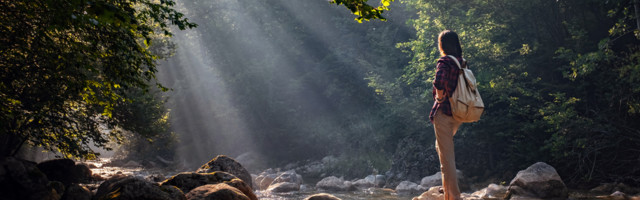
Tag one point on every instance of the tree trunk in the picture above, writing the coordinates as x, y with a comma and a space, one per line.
636, 5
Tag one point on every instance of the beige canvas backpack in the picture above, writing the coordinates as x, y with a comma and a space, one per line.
466, 103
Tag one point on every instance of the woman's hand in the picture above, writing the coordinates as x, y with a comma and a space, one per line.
440, 97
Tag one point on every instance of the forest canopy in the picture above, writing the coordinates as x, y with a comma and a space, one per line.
67, 65
560, 79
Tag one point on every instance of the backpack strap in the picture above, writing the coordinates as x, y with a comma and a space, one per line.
456, 60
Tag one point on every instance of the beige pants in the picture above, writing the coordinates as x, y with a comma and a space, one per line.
445, 127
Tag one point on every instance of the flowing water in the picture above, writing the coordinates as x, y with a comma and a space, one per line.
106, 172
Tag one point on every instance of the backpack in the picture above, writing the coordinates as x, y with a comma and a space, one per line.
466, 103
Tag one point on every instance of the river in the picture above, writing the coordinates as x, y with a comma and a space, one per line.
370, 194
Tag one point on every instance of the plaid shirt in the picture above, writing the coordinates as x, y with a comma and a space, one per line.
446, 79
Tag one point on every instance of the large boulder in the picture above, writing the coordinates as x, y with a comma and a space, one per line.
408, 187
216, 192
132, 188
539, 180
76, 192
188, 181
20, 179
226, 164
333, 183
65, 171
322, 196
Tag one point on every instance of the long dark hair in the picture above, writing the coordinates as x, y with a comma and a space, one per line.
449, 44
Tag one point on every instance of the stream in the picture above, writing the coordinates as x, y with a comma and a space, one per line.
159, 174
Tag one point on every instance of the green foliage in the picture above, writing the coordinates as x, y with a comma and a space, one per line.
553, 92
363, 10
67, 64
148, 131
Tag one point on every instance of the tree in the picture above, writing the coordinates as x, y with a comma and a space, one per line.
363, 10
66, 64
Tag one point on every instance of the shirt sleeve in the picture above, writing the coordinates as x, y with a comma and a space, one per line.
441, 78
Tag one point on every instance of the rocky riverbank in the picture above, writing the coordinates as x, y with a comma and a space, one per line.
224, 178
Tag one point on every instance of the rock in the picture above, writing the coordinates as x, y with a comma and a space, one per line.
58, 186
226, 164
363, 183
380, 180
322, 196
492, 192
539, 180
131, 188
263, 181
408, 187
283, 187
216, 192
76, 192
155, 177
436, 179
333, 183
289, 176
65, 171
432, 194
370, 181
187, 181
21, 179
173, 191
618, 194
608, 188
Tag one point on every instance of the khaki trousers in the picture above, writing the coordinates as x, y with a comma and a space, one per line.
445, 127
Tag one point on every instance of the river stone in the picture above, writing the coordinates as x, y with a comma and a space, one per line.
432, 194
333, 183
188, 181
216, 192
283, 187
131, 188
366, 182
322, 196
289, 176
263, 181
539, 180
408, 187
226, 164
65, 171
20, 179
76, 192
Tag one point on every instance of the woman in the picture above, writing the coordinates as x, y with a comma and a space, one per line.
444, 125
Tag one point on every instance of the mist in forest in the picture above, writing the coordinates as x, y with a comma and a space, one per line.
281, 80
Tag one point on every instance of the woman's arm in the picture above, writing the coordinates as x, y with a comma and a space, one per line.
439, 82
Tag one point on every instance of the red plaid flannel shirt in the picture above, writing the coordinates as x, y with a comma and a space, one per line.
446, 79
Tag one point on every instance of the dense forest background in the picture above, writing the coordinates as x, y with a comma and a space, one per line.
291, 81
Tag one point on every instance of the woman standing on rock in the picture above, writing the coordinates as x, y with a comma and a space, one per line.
444, 124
